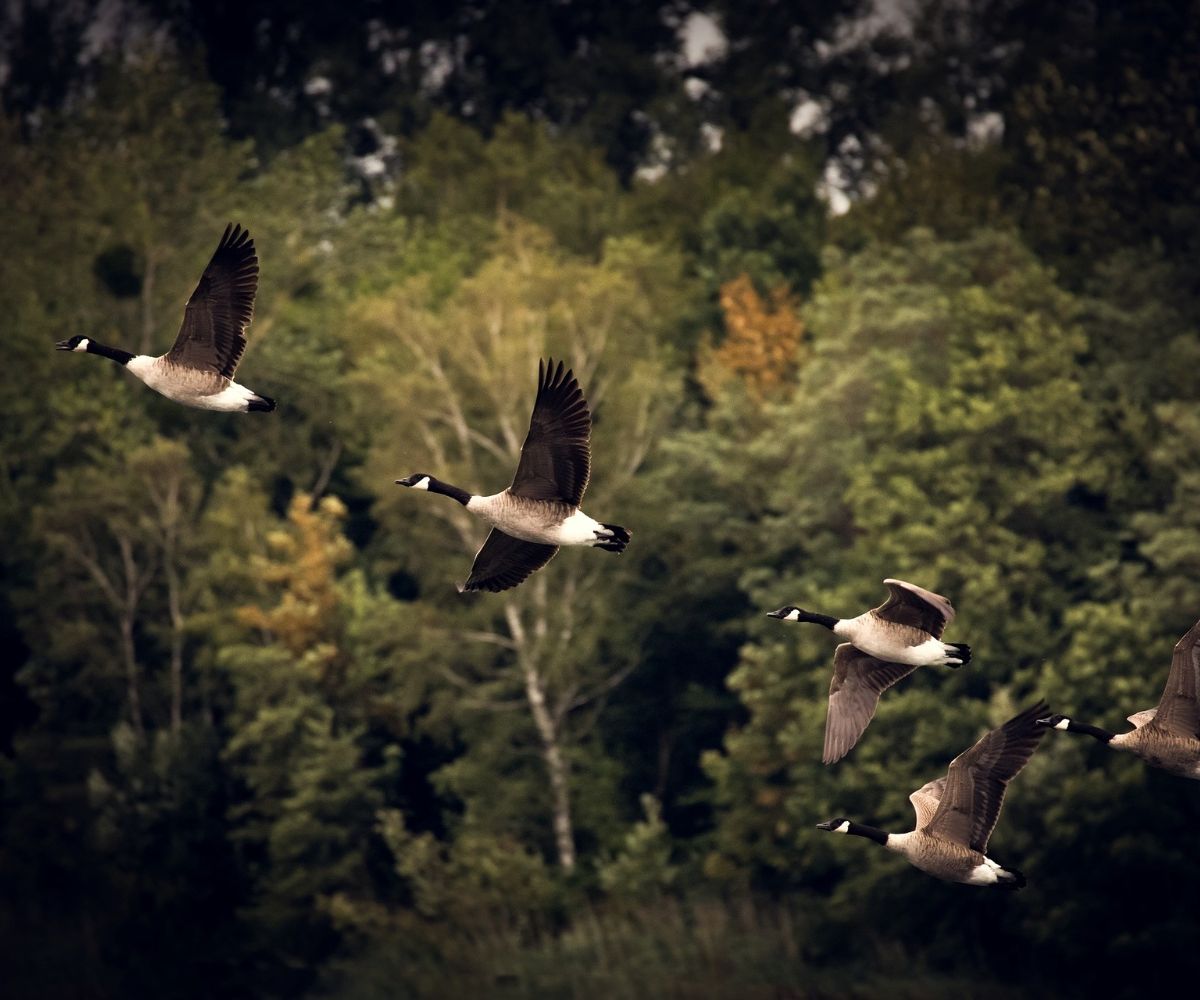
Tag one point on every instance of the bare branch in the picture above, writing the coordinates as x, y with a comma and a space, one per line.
519, 704
326, 471
495, 638
92, 565
604, 687
515, 625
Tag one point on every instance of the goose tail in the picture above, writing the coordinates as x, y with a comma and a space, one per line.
961, 652
616, 539
1010, 878
261, 403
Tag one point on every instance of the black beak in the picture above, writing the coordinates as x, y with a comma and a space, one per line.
828, 826
781, 613
1045, 722
63, 345
406, 481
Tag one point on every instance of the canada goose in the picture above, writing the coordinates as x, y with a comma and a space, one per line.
540, 510
957, 814
906, 628
198, 371
1167, 736
886, 645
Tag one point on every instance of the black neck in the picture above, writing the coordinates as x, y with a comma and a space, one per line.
1103, 735
860, 830
113, 353
446, 490
811, 616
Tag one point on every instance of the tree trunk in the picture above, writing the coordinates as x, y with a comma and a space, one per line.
128, 615
556, 766
176, 644
131, 674
548, 730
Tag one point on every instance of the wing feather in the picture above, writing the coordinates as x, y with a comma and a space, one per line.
926, 799
908, 604
858, 681
1140, 719
503, 562
1177, 712
212, 337
556, 459
977, 779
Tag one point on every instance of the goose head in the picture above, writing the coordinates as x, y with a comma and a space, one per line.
76, 343
788, 613
1054, 722
839, 825
417, 481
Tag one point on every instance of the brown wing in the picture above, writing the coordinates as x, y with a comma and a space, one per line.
1140, 719
1177, 711
975, 783
909, 604
213, 335
503, 562
556, 458
926, 799
858, 681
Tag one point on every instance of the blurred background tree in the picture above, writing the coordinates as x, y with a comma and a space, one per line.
854, 290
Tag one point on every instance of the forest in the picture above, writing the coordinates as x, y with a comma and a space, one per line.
855, 290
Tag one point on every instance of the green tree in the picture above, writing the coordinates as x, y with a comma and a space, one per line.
454, 379
940, 432
314, 729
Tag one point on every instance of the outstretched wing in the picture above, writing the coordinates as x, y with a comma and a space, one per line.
213, 335
858, 681
926, 799
556, 458
977, 778
1140, 719
909, 604
1177, 711
503, 562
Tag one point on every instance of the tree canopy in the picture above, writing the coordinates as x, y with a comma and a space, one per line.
252, 741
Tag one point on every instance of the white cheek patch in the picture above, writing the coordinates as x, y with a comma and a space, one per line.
843, 827
82, 345
1062, 724
421, 484
792, 616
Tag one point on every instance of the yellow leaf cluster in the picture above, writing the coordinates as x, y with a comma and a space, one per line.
762, 341
307, 555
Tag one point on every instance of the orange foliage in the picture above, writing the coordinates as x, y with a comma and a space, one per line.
762, 341
308, 555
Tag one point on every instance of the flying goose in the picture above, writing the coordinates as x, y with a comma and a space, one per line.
1167, 736
886, 645
198, 371
540, 510
957, 814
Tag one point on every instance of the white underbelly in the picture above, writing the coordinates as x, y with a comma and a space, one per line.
233, 398
868, 636
228, 398
531, 523
987, 873
578, 529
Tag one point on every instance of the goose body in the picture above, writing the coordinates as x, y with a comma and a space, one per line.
1168, 735
884, 645
539, 512
906, 628
198, 370
542, 521
956, 814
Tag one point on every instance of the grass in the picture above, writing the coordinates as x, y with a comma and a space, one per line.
703, 949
